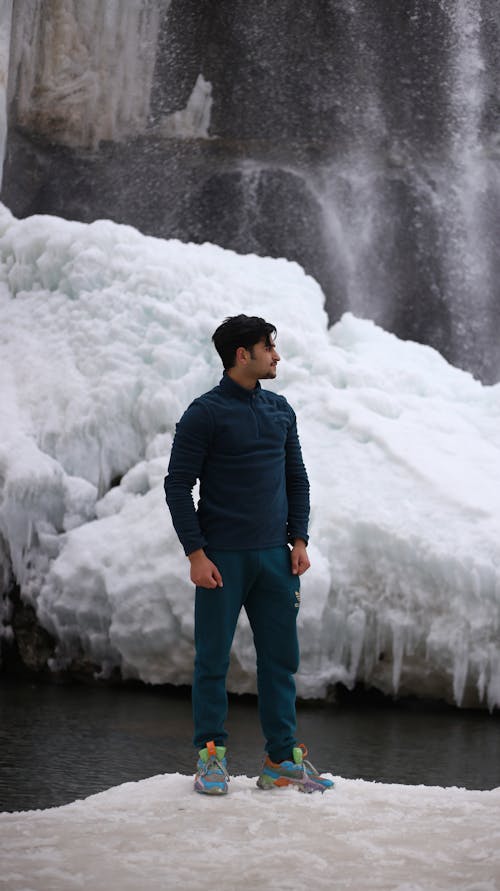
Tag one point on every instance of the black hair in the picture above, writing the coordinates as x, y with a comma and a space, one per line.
240, 331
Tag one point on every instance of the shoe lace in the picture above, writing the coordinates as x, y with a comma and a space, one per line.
308, 767
307, 764
212, 762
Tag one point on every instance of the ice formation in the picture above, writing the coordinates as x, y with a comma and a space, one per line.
193, 121
5, 20
61, 77
105, 338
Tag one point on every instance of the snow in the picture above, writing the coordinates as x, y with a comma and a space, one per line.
104, 340
159, 834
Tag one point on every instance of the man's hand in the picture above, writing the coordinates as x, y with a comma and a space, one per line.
299, 558
204, 573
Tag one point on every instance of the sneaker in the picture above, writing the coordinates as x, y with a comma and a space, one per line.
298, 772
211, 774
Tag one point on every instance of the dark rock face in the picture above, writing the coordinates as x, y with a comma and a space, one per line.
29, 651
357, 138
29, 647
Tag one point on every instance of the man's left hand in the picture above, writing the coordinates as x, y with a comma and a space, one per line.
299, 558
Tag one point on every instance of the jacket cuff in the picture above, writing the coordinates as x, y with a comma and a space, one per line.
192, 545
302, 535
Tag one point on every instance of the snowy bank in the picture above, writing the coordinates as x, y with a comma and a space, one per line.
159, 834
105, 338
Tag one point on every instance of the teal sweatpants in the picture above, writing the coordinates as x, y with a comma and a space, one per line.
262, 582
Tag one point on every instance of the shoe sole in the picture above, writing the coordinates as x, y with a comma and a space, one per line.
306, 786
214, 789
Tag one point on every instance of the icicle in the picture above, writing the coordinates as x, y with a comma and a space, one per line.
398, 649
5, 29
356, 625
460, 669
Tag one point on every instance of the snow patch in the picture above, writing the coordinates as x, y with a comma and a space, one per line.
153, 834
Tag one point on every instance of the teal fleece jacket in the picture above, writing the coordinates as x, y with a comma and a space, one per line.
243, 447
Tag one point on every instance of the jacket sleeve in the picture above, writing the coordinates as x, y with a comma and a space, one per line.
297, 485
189, 450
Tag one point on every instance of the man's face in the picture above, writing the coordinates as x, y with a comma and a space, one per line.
264, 359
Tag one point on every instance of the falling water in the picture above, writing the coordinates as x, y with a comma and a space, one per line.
472, 197
409, 199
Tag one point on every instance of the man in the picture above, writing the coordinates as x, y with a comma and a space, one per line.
246, 544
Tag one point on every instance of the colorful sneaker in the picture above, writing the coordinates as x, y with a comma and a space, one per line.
211, 775
298, 772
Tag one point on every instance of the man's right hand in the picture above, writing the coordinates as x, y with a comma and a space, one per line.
204, 573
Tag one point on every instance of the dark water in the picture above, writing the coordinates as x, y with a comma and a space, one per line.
58, 744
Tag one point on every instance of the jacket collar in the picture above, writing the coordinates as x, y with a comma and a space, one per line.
230, 387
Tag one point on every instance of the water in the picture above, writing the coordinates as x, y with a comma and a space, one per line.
58, 744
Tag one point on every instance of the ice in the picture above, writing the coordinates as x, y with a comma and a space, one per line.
104, 340
65, 86
192, 121
5, 22
158, 834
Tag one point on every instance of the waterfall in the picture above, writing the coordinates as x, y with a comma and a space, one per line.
473, 188
409, 199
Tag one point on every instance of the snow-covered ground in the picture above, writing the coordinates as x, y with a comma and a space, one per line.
159, 834
104, 340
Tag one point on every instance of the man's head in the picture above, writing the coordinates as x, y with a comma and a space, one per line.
241, 331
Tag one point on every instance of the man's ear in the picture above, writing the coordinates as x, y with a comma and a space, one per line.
241, 355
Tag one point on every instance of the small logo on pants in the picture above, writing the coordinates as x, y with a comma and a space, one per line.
297, 598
